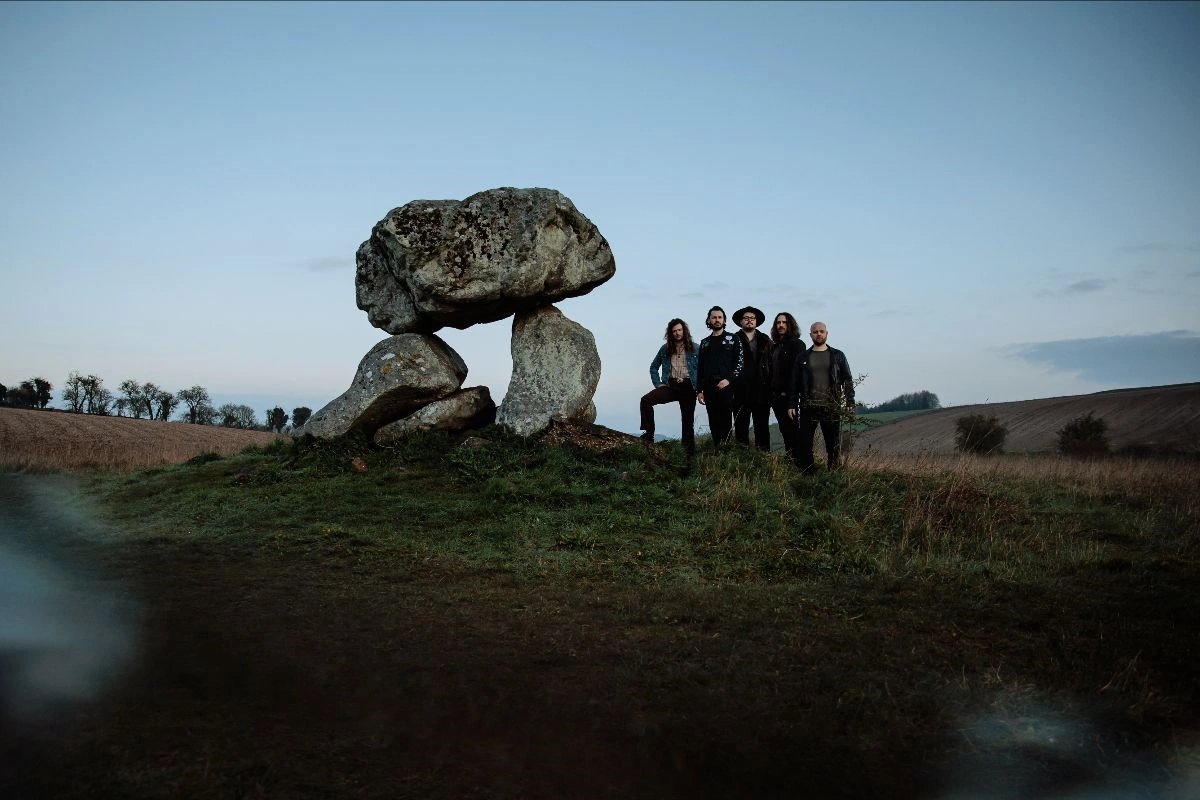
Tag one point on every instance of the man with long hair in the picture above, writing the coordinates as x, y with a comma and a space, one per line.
719, 366
785, 334
673, 373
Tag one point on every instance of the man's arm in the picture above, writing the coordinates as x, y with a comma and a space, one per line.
655, 365
847, 380
740, 364
794, 385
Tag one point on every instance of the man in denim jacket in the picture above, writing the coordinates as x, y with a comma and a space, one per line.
673, 373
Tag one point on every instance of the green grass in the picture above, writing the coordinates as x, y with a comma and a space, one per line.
632, 516
875, 419
862, 422
704, 629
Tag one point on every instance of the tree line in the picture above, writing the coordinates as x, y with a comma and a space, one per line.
923, 400
87, 394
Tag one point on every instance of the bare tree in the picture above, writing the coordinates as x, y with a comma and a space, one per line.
132, 398
199, 405
236, 415
72, 393
167, 403
86, 394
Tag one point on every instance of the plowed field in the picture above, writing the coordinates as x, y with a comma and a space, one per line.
59, 440
1161, 419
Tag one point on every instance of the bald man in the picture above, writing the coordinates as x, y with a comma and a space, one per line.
821, 387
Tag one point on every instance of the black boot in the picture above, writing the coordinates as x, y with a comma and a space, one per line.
648, 436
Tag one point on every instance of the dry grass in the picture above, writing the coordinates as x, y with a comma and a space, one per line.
46, 440
1142, 479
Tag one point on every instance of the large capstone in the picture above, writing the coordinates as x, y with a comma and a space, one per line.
464, 410
436, 263
395, 378
555, 372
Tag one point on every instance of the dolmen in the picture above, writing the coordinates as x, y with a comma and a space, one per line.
432, 264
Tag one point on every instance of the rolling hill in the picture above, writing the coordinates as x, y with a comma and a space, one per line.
1159, 419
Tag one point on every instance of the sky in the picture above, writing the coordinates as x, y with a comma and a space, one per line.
989, 201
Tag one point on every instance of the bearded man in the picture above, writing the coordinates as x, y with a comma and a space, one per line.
719, 367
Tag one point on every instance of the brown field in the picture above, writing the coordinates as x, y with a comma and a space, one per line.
58, 440
1155, 420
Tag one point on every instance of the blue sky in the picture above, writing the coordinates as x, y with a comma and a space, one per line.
989, 201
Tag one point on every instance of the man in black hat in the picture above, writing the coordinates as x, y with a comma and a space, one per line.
753, 398
719, 366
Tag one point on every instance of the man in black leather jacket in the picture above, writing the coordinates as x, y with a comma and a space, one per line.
821, 386
785, 334
719, 366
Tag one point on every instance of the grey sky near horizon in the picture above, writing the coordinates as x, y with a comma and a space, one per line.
991, 201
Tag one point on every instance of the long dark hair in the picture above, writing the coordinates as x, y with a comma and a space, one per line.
688, 344
793, 330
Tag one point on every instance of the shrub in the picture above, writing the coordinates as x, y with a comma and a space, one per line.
1084, 437
979, 434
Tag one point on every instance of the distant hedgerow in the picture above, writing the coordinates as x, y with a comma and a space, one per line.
1084, 437
976, 433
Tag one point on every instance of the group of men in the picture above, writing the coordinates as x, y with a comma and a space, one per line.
741, 377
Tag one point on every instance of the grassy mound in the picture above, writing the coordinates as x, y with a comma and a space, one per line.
488, 616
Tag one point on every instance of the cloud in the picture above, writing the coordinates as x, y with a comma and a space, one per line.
1085, 286
1160, 247
326, 264
1195, 274
1089, 285
1147, 359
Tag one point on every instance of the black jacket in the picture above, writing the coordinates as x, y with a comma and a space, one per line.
721, 358
840, 379
784, 358
755, 385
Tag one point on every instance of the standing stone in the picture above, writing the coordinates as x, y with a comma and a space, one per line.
470, 408
555, 372
398, 376
433, 263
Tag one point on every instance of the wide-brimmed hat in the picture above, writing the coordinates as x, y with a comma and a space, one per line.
741, 312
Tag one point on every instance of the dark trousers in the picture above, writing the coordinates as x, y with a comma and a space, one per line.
789, 428
760, 412
719, 404
831, 431
673, 392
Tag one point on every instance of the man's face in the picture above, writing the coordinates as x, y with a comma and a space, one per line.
716, 320
781, 326
818, 333
677, 332
749, 322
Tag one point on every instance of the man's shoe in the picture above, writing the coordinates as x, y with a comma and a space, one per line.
648, 436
